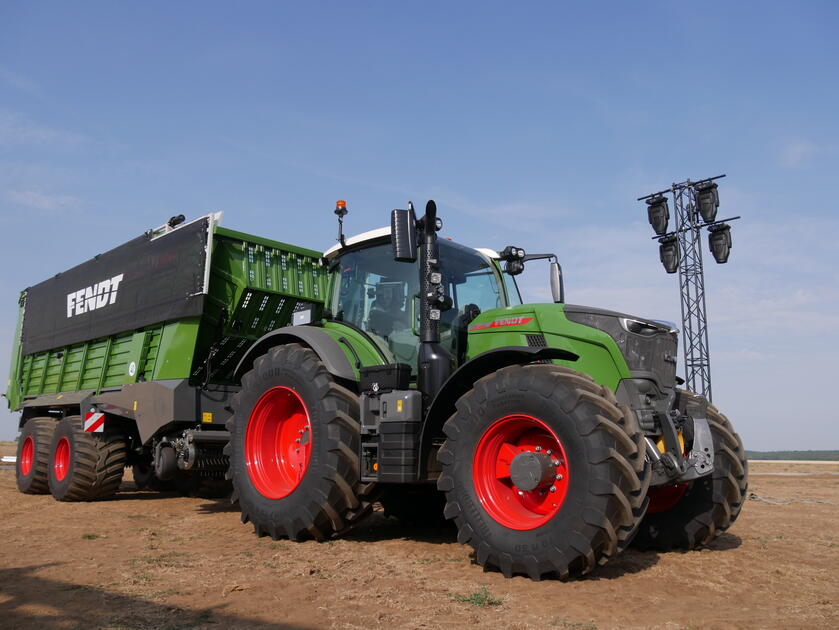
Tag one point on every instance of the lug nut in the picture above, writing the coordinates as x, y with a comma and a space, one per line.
549, 452
538, 448
553, 488
559, 477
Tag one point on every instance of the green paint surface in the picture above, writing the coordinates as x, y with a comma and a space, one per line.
599, 355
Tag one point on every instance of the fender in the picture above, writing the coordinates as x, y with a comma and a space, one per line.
465, 376
334, 359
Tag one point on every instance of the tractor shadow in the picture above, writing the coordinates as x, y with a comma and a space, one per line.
29, 600
635, 561
377, 527
128, 491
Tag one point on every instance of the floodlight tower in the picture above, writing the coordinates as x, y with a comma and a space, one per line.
695, 206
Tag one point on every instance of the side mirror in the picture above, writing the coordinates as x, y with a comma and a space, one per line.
403, 234
557, 288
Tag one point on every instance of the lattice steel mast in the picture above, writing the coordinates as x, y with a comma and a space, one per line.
691, 217
692, 286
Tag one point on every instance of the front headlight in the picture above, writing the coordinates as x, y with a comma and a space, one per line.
646, 329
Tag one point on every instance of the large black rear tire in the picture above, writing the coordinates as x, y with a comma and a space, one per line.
294, 448
85, 466
33, 454
571, 521
711, 504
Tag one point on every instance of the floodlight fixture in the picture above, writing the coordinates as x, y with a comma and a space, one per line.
719, 240
670, 253
708, 200
658, 214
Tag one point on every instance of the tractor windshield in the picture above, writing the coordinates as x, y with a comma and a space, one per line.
380, 296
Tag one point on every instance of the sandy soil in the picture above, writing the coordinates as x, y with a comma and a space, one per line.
151, 560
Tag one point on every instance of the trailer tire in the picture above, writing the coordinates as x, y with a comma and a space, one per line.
85, 466
710, 504
33, 453
294, 443
588, 448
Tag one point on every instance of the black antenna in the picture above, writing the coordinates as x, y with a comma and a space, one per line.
341, 211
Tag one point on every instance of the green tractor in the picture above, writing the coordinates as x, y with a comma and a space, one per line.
393, 368
551, 435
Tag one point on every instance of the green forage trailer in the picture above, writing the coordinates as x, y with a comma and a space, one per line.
130, 355
391, 368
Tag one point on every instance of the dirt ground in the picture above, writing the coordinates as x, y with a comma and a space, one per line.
152, 560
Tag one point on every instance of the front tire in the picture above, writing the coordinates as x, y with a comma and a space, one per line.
294, 448
543, 472
709, 505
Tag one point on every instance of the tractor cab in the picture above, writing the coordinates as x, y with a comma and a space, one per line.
379, 296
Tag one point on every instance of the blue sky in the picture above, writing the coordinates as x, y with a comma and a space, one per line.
536, 124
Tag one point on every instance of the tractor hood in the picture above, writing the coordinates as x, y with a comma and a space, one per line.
612, 345
649, 347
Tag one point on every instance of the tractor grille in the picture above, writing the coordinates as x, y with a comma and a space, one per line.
654, 353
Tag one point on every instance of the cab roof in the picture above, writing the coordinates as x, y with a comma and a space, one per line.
382, 232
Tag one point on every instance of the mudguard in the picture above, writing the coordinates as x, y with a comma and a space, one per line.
334, 359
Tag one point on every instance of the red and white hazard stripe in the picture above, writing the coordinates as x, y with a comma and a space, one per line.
94, 422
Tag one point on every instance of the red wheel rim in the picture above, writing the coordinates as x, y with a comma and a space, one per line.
61, 459
507, 504
27, 456
278, 442
666, 498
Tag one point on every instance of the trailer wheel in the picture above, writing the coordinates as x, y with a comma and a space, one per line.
33, 453
693, 514
294, 448
543, 472
85, 466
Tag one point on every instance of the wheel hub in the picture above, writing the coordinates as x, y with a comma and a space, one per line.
530, 470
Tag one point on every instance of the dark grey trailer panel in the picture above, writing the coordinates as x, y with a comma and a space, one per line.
156, 404
142, 282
